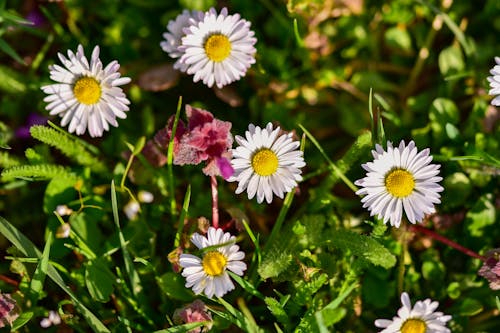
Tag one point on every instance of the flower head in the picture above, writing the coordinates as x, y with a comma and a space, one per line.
420, 318
491, 268
175, 32
495, 82
266, 162
219, 48
86, 95
208, 274
9, 310
398, 179
193, 313
204, 138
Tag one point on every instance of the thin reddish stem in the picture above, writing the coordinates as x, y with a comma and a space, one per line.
215, 202
9, 280
418, 228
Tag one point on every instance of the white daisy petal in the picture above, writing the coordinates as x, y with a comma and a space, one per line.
215, 48
400, 179
266, 163
209, 273
419, 318
86, 96
494, 82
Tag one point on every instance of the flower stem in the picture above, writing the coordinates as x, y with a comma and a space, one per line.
417, 228
215, 202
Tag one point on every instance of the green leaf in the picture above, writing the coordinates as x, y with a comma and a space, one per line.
249, 288
172, 284
11, 81
278, 311
22, 320
70, 147
457, 189
24, 245
38, 279
362, 246
451, 61
237, 318
35, 172
481, 215
469, 307
59, 190
275, 262
99, 280
398, 37
202, 5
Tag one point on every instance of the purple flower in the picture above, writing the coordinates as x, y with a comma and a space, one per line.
491, 268
23, 132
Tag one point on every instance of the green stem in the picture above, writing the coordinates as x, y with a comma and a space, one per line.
339, 173
170, 159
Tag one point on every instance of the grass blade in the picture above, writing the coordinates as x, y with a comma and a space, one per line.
23, 244
134, 279
36, 286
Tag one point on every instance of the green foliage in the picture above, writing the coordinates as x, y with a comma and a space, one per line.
362, 246
35, 172
70, 147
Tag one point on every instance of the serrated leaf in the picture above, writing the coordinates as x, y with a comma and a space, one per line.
278, 311
363, 246
274, 263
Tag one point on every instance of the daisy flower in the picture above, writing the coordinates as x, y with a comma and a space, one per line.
495, 82
86, 95
208, 274
418, 319
174, 34
218, 49
400, 179
266, 162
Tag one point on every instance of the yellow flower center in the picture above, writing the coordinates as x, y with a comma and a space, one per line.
214, 263
217, 47
400, 183
413, 326
87, 90
265, 162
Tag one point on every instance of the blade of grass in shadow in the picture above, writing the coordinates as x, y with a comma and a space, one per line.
183, 328
236, 317
134, 279
329, 161
24, 245
170, 159
184, 212
38, 279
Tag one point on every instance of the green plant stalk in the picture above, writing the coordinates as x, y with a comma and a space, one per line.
170, 160
182, 217
339, 173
